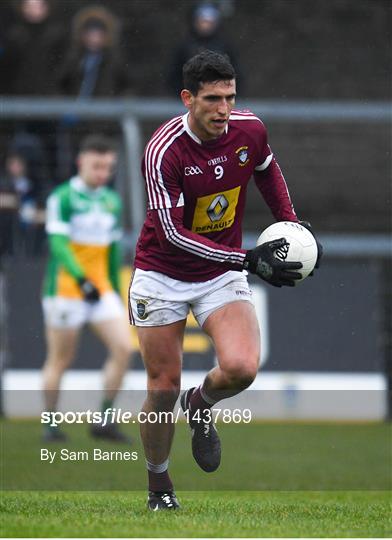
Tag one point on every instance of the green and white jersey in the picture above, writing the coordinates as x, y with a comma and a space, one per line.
90, 220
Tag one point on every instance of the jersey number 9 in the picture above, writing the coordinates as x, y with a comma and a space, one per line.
218, 172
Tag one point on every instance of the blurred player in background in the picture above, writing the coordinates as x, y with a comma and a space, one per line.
82, 282
189, 256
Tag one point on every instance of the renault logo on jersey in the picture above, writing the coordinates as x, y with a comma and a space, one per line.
217, 208
242, 153
215, 212
194, 169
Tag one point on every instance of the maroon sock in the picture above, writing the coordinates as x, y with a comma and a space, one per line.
159, 481
197, 402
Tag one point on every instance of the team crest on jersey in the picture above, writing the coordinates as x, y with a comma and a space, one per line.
141, 309
242, 153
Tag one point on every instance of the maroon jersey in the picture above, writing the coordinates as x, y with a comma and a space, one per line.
196, 196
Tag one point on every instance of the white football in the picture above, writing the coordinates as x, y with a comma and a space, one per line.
301, 246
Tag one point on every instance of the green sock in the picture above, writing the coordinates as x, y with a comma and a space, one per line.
51, 429
107, 404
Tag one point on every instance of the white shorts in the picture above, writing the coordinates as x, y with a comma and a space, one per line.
156, 299
61, 312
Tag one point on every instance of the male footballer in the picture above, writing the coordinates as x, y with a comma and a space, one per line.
188, 256
82, 282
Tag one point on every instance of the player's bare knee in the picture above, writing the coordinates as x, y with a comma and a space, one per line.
57, 363
241, 375
122, 352
165, 383
164, 390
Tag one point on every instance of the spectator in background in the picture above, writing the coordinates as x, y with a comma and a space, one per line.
204, 34
31, 149
94, 66
21, 219
36, 42
16, 172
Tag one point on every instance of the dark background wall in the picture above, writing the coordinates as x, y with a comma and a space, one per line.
335, 49
333, 322
338, 174
318, 49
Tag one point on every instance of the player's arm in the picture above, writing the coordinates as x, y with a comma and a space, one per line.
272, 185
174, 236
59, 248
58, 229
115, 265
115, 255
260, 260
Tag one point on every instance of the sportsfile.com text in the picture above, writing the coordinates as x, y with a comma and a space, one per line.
117, 415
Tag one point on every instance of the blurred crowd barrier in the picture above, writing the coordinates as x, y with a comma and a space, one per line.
334, 155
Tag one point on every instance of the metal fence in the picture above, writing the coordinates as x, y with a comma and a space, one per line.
130, 114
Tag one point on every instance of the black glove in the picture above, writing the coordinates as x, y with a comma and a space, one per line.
89, 290
262, 262
320, 250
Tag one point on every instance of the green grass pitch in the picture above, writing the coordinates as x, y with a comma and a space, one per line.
276, 480
212, 514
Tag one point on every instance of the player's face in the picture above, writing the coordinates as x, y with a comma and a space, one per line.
210, 108
96, 169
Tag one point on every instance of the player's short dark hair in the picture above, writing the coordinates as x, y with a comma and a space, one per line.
205, 67
97, 143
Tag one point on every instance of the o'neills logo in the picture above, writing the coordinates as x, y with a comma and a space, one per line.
217, 160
